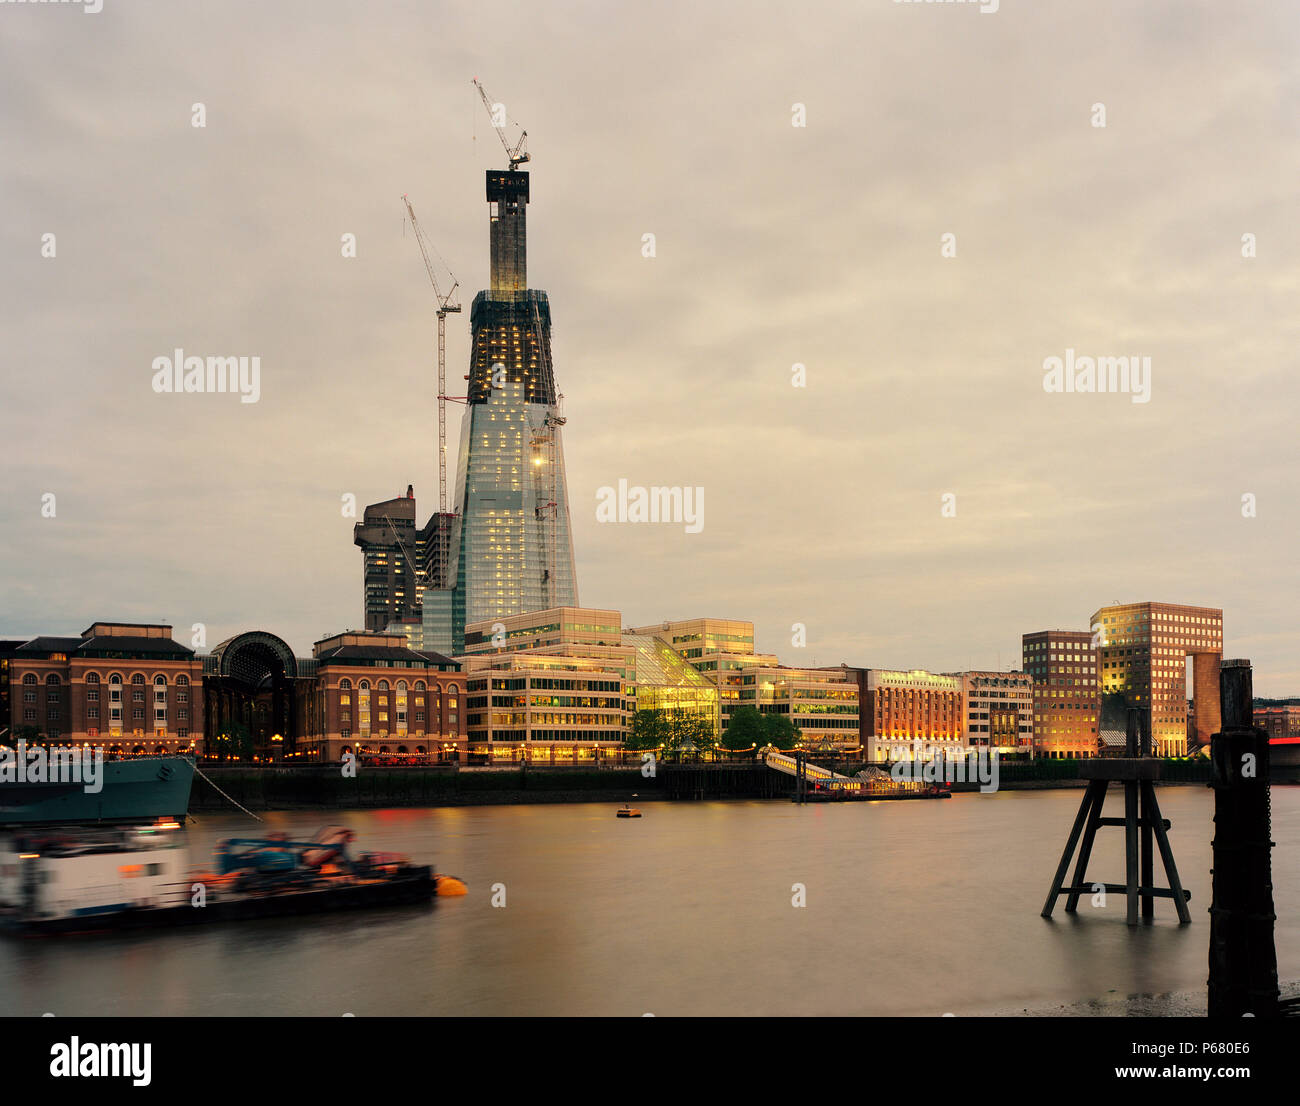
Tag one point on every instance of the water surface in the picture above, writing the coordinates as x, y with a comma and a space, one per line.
912, 908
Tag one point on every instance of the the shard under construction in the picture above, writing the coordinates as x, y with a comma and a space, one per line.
511, 543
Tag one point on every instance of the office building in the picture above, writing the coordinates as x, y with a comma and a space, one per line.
998, 711
399, 559
1142, 662
1067, 696
511, 540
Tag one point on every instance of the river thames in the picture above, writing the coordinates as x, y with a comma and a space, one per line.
912, 908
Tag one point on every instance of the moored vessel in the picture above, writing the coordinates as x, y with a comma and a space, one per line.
136, 790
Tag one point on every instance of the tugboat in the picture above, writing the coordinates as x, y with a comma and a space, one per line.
60, 881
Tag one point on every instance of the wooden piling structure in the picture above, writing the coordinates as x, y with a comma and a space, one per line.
1143, 827
1243, 953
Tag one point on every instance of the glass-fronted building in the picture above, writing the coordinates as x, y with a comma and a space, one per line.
821, 702
512, 540
653, 677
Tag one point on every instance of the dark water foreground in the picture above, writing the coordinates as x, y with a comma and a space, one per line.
911, 908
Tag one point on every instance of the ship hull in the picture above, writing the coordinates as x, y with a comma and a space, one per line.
139, 790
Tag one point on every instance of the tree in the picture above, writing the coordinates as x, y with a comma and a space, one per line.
649, 730
745, 730
691, 731
779, 731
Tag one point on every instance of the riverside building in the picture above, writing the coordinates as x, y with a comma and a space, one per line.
132, 689
1280, 721
821, 702
1142, 653
899, 708
126, 686
654, 676
547, 706
998, 711
1067, 696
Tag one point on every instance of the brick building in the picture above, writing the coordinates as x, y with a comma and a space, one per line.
370, 693
898, 708
1281, 721
133, 689
127, 686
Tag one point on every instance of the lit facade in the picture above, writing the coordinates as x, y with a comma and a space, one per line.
699, 639
373, 695
511, 542
412, 629
1142, 655
899, 708
720, 649
1067, 694
546, 706
126, 687
538, 628
821, 702
656, 676
1281, 722
998, 711
132, 689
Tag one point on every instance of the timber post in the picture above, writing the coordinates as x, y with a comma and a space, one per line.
1243, 955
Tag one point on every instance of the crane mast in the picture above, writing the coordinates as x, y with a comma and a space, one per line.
445, 307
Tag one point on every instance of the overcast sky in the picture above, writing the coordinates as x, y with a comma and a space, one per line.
775, 244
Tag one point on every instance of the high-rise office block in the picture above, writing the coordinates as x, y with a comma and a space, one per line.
400, 560
1143, 650
511, 548
1067, 698
391, 566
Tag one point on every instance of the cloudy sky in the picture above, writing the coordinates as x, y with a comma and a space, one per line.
775, 245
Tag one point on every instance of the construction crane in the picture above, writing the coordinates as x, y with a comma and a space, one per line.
445, 308
518, 153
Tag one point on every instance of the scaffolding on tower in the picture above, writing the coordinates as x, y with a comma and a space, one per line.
546, 458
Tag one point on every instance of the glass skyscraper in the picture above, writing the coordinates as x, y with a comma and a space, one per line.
511, 540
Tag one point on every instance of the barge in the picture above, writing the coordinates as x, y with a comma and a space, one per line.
60, 881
